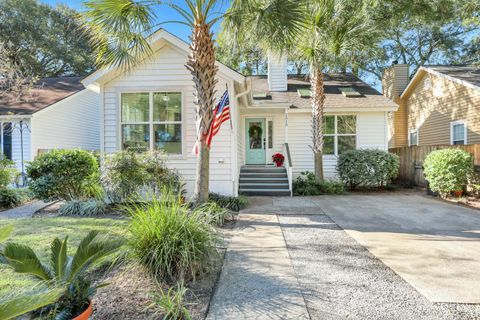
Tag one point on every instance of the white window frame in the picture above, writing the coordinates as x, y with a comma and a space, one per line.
465, 130
410, 137
336, 135
151, 122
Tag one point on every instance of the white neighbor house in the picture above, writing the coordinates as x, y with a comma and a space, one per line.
151, 107
58, 113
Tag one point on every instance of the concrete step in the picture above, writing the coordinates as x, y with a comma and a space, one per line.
263, 180
268, 175
262, 170
264, 192
277, 186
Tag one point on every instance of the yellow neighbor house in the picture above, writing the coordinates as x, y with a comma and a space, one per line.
440, 105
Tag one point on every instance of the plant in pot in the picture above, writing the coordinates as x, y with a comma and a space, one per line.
278, 159
69, 289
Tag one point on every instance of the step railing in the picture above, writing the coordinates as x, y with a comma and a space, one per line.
288, 166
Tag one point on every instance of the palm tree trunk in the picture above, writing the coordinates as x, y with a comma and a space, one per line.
318, 99
201, 64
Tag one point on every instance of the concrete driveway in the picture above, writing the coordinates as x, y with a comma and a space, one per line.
433, 245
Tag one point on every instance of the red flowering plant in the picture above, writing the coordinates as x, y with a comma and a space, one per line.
278, 159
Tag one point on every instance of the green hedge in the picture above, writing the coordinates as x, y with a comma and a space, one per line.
448, 170
367, 168
306, 185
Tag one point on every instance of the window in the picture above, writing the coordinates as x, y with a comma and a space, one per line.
152, 120
413, 138
270, 134
458, 132
340, 134
6, 139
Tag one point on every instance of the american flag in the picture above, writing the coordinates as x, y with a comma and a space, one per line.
221, 113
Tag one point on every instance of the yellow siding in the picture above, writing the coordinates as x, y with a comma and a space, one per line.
435, 102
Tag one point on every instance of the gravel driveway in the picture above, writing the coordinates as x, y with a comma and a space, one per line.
341, 279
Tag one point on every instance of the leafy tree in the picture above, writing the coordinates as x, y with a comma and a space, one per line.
424, 32
43, 41
120, 27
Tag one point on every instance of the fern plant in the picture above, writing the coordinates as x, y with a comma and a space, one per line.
69, 289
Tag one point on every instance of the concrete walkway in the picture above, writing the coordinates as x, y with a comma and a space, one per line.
433, 245
257, 279
25, 211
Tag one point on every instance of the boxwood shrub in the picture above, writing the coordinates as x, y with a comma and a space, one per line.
306, 185
63, 175
367, 168
448, 170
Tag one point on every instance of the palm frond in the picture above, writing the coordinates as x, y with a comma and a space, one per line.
23, 260
26, 303
58, 257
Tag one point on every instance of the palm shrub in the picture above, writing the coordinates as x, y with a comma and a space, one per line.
367, 168
448, 170
231, 203
172, 242
63, 275
63, 175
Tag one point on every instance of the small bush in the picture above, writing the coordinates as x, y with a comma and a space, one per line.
172, 242
7, 171
83, 208
63, 175
10, 198
172, 303
306, 185
232, 203
367, 168
448, 170
214, 213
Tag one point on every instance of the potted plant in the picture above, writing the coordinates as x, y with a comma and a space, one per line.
69, 289
278, 159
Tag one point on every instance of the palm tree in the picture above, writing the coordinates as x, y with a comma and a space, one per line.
63, 275
324, 33
119, 29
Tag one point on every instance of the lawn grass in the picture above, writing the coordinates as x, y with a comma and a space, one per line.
38, 233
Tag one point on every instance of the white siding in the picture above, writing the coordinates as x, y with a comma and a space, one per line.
371, 134
73, 123
277, 73
166, 71
17, 137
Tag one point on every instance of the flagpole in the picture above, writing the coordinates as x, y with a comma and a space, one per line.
228, 94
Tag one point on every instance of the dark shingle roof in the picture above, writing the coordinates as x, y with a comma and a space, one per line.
469, 74
333, 83
45, 92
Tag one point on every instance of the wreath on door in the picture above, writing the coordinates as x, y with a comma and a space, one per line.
255, 131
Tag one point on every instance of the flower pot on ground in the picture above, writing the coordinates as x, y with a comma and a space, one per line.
278, 159
457, 193
87, 313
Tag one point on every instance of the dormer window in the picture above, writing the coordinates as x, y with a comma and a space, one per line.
350, 92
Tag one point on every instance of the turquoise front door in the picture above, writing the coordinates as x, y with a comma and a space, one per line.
255, 141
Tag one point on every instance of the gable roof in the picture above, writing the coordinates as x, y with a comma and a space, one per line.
46, 92
156, 41
468, 76
334, 85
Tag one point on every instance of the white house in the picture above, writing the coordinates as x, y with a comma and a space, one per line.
57, 113
151, 107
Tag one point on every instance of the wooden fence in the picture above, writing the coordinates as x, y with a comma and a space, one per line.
411, 161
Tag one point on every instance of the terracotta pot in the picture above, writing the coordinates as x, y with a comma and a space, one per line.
458, 193
278, 163
85, 314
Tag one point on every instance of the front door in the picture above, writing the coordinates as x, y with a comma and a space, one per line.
255, 141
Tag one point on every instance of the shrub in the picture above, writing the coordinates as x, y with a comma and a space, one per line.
83, 208
127, 174
448, 170
9, 198
7, 171
306, 185
231, 203
172, 303
214, 213
170, 241
367, 168
63, 175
